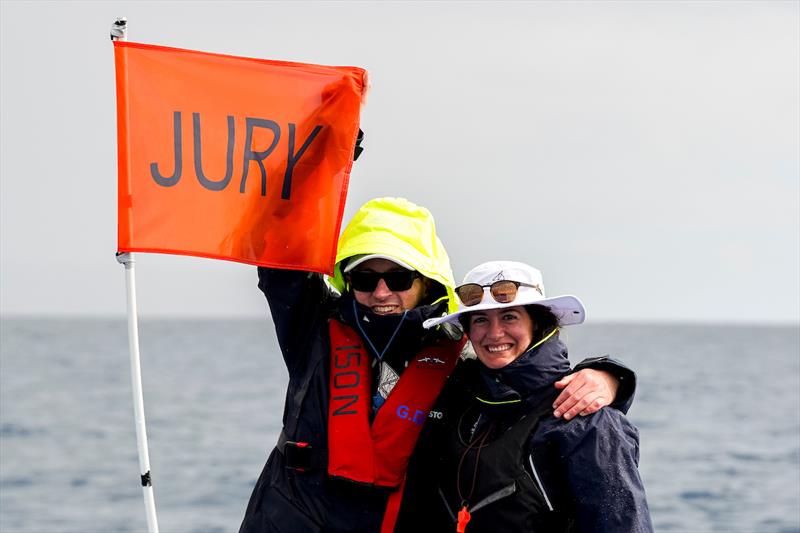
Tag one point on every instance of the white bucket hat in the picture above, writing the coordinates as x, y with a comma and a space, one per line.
568, 309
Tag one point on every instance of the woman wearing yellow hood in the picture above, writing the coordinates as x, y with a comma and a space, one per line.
341, 458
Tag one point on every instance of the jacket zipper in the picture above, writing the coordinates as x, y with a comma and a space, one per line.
539, 483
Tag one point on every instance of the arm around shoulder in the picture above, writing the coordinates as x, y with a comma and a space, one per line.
626, 379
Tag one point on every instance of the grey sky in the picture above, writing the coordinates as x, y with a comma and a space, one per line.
644, 155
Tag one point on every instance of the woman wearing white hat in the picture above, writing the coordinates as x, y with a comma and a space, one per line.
492, 456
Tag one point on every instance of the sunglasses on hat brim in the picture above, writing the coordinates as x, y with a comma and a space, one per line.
503, 291
397, 281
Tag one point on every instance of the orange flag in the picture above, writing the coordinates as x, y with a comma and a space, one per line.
233, 158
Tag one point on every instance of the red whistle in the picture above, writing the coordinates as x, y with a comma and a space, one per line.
463, 518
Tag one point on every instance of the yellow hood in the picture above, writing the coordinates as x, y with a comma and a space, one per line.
399, 229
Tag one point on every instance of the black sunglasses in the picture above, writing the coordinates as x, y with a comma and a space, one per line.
366, 281
503, 291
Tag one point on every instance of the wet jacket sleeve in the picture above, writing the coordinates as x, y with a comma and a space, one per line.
626, 377
298, 301
601, 455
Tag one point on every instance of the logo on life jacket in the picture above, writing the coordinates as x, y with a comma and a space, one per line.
403, 412
433, 361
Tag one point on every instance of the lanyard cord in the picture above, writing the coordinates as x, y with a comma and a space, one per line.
479, 440
366, 337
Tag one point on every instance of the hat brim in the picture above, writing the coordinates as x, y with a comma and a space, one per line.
567, 308
354, 262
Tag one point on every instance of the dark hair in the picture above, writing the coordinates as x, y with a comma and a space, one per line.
541, 315
544, 319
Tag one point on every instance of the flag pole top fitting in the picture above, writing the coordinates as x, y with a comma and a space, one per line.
119, 29
125, 258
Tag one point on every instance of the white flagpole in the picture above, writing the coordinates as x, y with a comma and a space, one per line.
119, 32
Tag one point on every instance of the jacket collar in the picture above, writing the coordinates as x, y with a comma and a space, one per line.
394, 339
526, 381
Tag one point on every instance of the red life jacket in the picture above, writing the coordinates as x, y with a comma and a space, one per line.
378, 454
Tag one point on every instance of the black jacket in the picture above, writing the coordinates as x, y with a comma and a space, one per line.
285, 500
586, 467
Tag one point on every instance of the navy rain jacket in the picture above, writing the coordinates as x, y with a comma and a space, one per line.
587, 466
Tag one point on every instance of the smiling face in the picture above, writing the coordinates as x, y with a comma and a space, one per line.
499, 336
383, 301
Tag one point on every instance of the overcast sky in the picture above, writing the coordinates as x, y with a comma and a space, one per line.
644, 155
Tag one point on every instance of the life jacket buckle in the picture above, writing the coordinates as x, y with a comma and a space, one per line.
298, 455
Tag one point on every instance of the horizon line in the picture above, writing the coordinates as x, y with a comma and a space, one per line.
253, 317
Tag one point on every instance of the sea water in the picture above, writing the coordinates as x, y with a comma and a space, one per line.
718, 409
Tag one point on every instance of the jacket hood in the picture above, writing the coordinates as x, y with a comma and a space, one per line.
400, 229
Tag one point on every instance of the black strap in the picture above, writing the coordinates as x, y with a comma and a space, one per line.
358, 149
301, 456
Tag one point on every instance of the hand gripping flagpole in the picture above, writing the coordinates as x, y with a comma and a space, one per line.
119, 32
